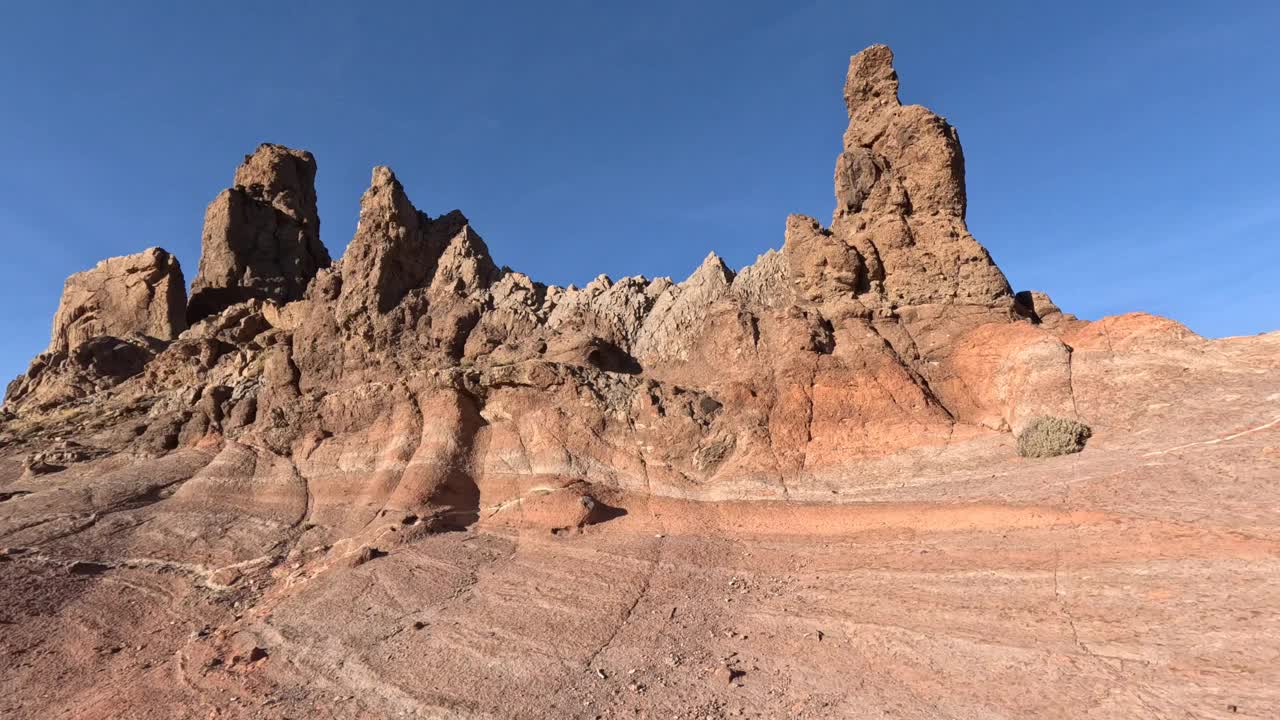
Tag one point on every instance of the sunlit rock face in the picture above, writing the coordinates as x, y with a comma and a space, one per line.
415, 375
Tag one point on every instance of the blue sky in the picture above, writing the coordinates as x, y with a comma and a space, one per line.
1121, 156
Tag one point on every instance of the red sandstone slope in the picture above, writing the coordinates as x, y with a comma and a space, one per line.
243, 516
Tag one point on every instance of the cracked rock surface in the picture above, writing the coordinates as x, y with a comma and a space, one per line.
411, 482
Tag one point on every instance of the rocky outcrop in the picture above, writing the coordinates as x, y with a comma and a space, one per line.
111, 321
410, 288
844, 345
900, 198
61, 376
140, 294
416, 377
648, 476
1041, 308
261, 236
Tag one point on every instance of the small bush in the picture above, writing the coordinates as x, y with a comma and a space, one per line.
1048, 436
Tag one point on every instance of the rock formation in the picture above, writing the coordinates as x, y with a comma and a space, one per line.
142, 294
416, 351
850, 343
261, 236
900, 198
111, 321
832, 428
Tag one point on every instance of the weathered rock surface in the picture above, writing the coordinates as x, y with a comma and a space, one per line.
142, 294
1041, 308
111, 321
262, 236
415, 483
900, 198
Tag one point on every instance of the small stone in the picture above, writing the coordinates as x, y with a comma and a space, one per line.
363, 555
225, 577
727, 675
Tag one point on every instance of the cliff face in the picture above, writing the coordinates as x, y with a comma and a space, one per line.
110, 322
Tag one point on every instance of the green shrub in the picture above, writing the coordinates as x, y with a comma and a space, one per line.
1047, 436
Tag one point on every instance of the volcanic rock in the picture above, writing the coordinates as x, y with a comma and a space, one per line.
261, 236
900, 198
1041, 308
141, 294
111, 321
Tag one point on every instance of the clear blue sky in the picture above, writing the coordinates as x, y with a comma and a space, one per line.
1121, 156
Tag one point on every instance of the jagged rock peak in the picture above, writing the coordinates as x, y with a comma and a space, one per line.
261, 237
901, 158
871, 79
387, 256
713, 266
283, 177
397, 249
386, 199
141, 294
900, 207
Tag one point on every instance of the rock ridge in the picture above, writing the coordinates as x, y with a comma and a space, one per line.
883, 332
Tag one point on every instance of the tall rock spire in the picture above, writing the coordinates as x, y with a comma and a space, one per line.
872, 81
397, 249
261, 237
900, 205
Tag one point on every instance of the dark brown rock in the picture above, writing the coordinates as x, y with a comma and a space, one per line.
1041, 308
261, 237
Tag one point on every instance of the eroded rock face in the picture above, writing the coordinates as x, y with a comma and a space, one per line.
111, 321
142, 294
97, 364
1041, 308
416, 377
900, 197
262, 236
437, 377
